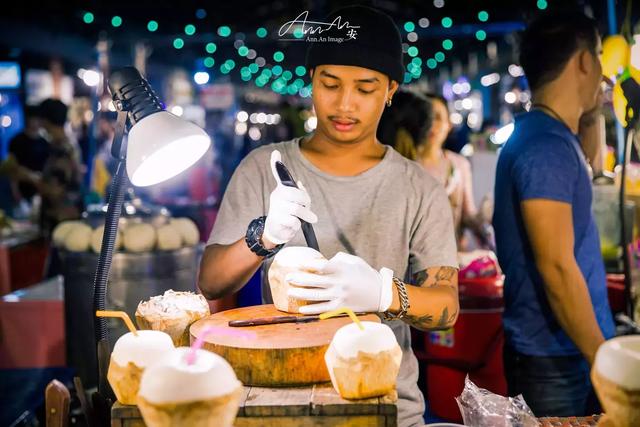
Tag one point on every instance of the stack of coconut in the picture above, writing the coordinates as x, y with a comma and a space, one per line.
149, 368
77, 236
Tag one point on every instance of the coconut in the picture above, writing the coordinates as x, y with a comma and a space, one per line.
176, 393
172, 313
139, 238
289, 260
131, 355
188, 231
616, 379
363, 363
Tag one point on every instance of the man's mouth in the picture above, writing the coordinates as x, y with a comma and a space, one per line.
342, 124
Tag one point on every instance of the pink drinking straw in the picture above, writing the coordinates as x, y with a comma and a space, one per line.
199, 342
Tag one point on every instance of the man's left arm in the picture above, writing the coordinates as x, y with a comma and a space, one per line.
433, 299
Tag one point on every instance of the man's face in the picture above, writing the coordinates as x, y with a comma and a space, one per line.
349, 101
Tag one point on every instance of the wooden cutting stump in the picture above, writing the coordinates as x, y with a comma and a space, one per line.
283, 355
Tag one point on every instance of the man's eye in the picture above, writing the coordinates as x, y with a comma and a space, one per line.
330, 86
366, 92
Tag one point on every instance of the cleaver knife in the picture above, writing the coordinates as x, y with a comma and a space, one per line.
307, 229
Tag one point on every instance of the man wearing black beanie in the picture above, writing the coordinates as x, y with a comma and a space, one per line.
382, 222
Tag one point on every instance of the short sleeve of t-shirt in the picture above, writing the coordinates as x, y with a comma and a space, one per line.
548, 170
242, 203
433, 241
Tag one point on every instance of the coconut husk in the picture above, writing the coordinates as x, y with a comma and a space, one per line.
125, 381
176, 327
622, 406
219, 412
366, 375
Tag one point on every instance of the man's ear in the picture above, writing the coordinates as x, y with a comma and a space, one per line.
393, 87
584, 60
311, 73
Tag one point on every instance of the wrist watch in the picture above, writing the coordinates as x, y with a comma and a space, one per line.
254, 236
404, 301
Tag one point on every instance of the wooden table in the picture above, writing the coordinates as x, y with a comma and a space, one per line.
317, 405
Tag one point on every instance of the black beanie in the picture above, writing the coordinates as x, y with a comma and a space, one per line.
377, 44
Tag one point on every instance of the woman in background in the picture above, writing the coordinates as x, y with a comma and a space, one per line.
417, 127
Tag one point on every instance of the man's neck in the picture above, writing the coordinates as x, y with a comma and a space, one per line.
342, 159
561, 102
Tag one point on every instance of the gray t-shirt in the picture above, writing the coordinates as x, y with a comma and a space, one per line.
393, 215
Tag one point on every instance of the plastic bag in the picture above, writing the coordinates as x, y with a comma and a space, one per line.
481, 408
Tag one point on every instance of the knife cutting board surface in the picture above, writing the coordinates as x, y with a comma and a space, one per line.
282, 355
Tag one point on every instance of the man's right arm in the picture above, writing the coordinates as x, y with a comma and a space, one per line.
549, 226
225, 269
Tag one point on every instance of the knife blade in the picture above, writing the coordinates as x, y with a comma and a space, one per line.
260, 321
307, 229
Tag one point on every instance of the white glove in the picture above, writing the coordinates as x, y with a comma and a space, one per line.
343, 281
287, 205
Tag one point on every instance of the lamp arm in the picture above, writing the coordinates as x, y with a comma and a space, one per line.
114, 209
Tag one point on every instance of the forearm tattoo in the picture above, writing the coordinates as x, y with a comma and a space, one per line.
439, 276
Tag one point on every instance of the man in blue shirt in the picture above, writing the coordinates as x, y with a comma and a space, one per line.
556, 308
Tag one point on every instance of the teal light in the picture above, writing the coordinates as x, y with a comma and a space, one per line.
298, 82
209, 62
447, 22
224, 69
409, 26
267, 73
230, 63
287, 75
483, 16
87, 17
277, 70
261, 32
152, 26
412, 51
178, 43
278, 56
432, 63
447, 44
189, 29
116, 21
211, 47
416, 61
542, 4
254, 68
292, 90
439, 56
224, 31
407, 78
245, 77
300, 71
481, 35
298, 33
245, 72
243, 51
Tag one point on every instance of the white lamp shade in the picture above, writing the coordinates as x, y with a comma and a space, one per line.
162, 145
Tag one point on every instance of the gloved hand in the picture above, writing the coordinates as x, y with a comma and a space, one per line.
287, 205
343, 281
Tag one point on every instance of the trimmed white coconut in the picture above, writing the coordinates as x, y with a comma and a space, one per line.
188, 231
78, 239
96, 239
61, 231
169, 237
139, 238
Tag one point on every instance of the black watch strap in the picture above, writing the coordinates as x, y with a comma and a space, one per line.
254, 236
